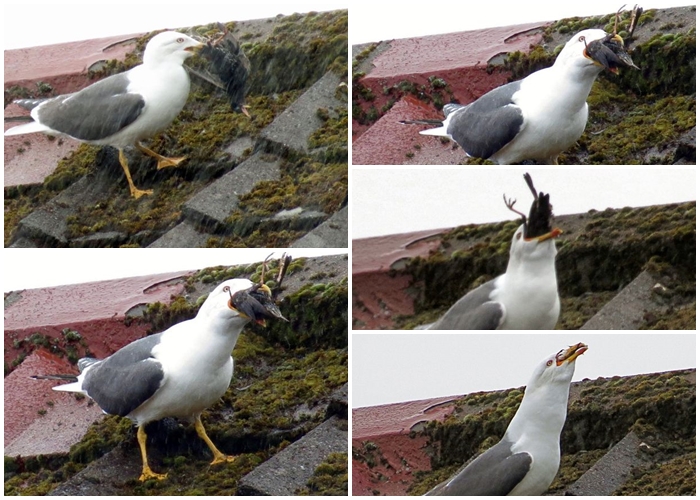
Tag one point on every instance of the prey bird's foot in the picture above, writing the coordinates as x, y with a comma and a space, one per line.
221, 458
138, 193
164, 162
149, 474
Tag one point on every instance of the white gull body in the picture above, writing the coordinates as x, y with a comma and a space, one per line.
535, 118
526, 460
526, 297
177, 373
123, 109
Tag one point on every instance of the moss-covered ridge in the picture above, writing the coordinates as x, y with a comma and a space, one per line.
599, 253
280, 390
659, 408
287, 54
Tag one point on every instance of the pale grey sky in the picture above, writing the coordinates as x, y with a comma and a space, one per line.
42, 267
29, 24
397, 200
396, 367
377, 21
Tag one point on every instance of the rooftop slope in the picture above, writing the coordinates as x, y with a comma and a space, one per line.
403, 281
287, 400
265, 181
638, 117
623, 436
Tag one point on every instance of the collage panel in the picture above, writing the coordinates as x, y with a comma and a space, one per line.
563, 84
224, 127
211, 358
178, 376
566, 414
573, 249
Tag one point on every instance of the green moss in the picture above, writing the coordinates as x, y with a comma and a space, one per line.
675, 477
329, 478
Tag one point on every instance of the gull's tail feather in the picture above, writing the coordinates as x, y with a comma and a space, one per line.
27, 128
440, 131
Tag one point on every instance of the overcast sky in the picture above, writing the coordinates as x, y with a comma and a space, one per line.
396, 367
377, 21
41, 267
28, 24
397, 200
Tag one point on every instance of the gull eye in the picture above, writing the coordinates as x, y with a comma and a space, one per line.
180, 40
549, 363
518, 235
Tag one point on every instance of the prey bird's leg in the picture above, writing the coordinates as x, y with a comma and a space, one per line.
264, 268
285, 260
634, 19
163, 161
146, 472
531, 185
218, 456
135, 192
617, 18
510, 204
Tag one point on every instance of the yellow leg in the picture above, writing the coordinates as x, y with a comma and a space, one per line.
135, 192
218, 456
146, 472
163, 162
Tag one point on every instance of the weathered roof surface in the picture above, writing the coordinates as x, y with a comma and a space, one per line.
635, 267
638, 117
289, 379
59, 193
623, 435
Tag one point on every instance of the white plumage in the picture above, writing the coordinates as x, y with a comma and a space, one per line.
540, 116
526, 460
179, 372
123, 109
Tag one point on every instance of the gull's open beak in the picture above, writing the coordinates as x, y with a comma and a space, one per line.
547, 236
571, 353
195, 48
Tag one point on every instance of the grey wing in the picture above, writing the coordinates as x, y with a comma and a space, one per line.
489, 123
495, 472
125, 380
474, 311
94, 113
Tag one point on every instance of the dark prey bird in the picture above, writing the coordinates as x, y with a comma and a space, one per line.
231, 68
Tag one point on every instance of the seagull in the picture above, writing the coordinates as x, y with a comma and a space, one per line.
526, 297
526, 460
540, 116
123, 109
179, 372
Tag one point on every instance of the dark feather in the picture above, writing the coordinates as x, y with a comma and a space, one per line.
230, 65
